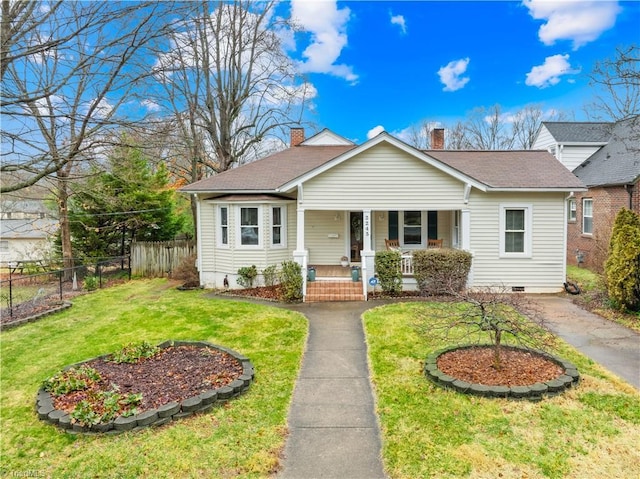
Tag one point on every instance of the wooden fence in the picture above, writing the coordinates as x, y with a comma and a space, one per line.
152, 259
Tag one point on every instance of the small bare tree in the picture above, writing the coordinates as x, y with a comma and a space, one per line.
617, 84
488, 314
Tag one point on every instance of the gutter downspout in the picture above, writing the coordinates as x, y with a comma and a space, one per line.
198, 238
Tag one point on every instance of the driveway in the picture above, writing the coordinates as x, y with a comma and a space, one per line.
615, 347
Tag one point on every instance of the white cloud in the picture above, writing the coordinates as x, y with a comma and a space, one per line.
375, 131
579, 21
327, 26
451, 75
150, 105
549, 73
400, 21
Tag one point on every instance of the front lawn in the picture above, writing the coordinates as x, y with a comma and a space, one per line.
591, 431
240, 439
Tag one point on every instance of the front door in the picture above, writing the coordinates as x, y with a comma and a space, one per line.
355, 236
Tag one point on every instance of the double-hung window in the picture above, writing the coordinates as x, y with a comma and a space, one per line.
587, 216
412, 228
224, 225
249, 226
571, 206
278, 226
515, 230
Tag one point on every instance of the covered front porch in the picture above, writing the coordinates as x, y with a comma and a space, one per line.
333, 241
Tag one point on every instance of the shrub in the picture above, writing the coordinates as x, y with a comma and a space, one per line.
187, 272
388, 270
291, 281
441, 271
270, 275
90, 283
622, 268
247, 275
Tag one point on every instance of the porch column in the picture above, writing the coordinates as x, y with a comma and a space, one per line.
300, 253
465, 241
367, 255
465, 230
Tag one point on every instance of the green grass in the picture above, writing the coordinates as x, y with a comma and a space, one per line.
594, 297
243, 438
591, 431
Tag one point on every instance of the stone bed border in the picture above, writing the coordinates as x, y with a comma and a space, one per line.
30, 319
203, 402
533, 392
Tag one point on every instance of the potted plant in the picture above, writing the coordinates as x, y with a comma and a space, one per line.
344, 261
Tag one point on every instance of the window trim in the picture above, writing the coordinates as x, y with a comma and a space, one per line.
401, 226
220, 227
528, 230
584, 200
572, 210
283, 226
239, 226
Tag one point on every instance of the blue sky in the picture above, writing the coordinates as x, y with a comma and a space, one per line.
390, 65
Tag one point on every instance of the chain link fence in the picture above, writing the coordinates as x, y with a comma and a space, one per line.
29, 287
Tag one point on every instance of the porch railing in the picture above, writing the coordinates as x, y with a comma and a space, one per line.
406, 265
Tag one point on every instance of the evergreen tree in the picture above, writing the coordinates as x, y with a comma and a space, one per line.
129, 201
622, 267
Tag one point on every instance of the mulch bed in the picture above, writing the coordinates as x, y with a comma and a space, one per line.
174, 374
518, 367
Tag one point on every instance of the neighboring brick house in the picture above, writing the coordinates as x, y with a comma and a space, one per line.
606, 158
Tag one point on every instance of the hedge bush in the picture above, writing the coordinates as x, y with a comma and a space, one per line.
388, 270
291, 281
440, 271
622, 268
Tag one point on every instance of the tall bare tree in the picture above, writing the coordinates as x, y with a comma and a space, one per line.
61, 100
232, 87
616, 81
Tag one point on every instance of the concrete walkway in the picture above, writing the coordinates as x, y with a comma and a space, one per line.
333, 428
613, 346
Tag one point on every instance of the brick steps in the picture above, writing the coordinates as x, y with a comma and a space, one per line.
334, 290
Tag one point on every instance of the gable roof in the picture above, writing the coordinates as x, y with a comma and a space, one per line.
579, 132
270, 173
499, 170
510, 169
618, 162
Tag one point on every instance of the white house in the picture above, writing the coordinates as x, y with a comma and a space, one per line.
325, 197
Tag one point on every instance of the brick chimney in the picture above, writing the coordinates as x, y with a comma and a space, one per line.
437, 139
297, 136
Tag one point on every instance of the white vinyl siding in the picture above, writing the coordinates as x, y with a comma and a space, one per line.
574, 156
321, 228
383, 178
544, 269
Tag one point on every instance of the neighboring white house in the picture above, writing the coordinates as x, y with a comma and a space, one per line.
26, 230
572, 142
326, 197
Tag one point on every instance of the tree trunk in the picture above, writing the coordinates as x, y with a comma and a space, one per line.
65, 230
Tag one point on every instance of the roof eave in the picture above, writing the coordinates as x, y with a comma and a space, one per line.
562, 189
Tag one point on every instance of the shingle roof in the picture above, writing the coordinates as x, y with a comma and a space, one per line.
616, 163
526, 169
510, 169
579, 132
271, 172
